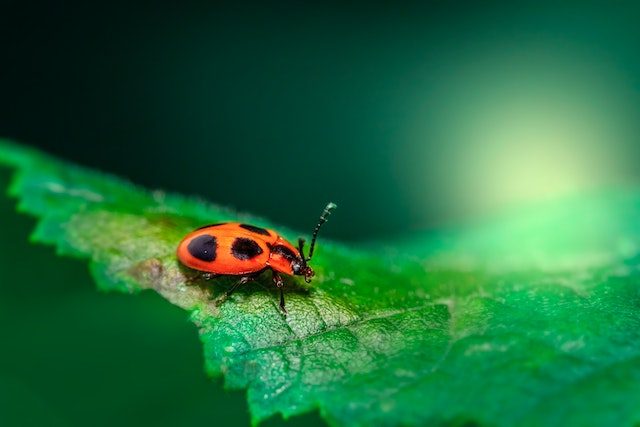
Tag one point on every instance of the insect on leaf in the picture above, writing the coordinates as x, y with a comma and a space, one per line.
532, 318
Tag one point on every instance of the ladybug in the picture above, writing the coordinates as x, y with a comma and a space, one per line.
237, 249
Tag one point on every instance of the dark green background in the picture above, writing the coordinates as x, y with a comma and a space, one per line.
410, 116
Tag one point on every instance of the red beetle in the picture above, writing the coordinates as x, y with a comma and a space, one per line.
236, 249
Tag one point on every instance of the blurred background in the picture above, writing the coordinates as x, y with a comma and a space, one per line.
410, 116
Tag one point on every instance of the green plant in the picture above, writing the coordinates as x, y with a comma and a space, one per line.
529, 319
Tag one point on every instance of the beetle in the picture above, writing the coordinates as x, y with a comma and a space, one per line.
237, 249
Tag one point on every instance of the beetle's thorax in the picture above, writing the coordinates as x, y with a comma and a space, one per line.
285, 258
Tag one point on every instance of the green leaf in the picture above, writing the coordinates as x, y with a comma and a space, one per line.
529, 319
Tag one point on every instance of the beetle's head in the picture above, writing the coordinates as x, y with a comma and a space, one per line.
301, 268
308, 273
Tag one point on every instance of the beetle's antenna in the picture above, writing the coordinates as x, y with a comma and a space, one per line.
301, 250
323, 218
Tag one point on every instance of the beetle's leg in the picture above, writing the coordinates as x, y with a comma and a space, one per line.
243, 280
277, 280
222, 298
196, 277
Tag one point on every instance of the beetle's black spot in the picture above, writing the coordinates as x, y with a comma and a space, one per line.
212, 225
284, 251
255, 229
203, 247
243, 248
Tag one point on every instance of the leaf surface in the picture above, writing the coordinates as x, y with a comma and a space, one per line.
529, 319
